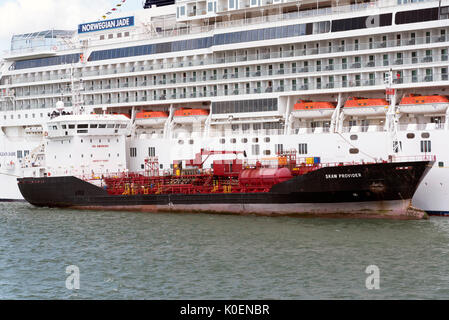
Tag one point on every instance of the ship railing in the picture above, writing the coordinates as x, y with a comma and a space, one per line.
228, 133
225, 24
252, 73
323, 83
425, 157
291, 86
311, 13
295, 69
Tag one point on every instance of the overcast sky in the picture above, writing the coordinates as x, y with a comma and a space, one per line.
26, 16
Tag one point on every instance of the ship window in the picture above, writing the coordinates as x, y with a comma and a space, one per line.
302, 148
133, 152
267, 152
426, 146
83, 126
64, 126
255, 149
191, 141
413, 16
222, 141
362, 22
244, 140
123, 126
71, 126
81, 131
110, 126
410, 135
279, 148
441, 164
151, 151
101, 126
255, 140
93, 126
397, 146
180, 141
425, 135
233, 140
353, 151
267, 139
354, 137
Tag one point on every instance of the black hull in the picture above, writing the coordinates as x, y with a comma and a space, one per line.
382, 189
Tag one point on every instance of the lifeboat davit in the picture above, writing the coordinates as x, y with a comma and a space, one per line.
151, 117
185, 115
424, 104
366, 107
313, 109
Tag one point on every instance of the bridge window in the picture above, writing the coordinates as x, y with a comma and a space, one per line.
302, 148
426, 146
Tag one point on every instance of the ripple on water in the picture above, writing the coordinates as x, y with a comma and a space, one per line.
190, 256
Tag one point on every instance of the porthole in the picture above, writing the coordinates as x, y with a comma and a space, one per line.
244, 140
353, 151
233, 140
354, 137
410, 135
255, 140
425, 135
191, 141
222, 141
441, 164
267, 152
180, 141
267, 139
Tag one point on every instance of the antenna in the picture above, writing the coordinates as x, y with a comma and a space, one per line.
392, 119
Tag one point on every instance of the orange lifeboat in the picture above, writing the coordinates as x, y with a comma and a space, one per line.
151, 117
151, 114
185, 115
361, 106
191, 112
123, 114
313, 109
424, 104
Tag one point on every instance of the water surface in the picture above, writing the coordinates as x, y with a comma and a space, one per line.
204, 256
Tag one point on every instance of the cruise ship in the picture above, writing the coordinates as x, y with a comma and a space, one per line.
345, 81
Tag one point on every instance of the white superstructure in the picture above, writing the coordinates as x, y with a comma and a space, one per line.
241, 66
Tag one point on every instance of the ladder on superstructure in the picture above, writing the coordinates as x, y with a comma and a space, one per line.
77, 98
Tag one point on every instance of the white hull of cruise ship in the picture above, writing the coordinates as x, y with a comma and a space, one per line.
248, 79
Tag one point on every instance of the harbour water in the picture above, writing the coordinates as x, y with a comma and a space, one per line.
199, 256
